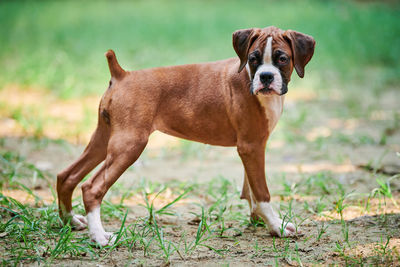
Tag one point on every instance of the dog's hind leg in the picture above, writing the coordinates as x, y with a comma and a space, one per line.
124, 148
68, 179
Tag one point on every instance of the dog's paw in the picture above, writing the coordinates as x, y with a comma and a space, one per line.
78, 222
280, 228
111, 238
103, 239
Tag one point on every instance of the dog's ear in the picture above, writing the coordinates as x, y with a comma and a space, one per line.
242, 41
115, 69
302, 48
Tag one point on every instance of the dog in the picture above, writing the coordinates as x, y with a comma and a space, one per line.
232, 102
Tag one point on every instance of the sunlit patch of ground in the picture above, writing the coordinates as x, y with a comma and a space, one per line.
37, 112
44, 196
317, 167
366, 207
383, 251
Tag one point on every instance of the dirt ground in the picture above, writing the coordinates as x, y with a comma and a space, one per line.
253, 245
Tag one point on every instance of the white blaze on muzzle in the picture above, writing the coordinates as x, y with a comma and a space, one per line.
267, 66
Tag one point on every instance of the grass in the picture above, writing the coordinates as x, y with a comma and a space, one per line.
24, 227
223, 218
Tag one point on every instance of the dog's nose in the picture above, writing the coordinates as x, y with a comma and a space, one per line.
266, 77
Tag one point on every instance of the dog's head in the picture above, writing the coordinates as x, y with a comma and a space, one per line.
269, 56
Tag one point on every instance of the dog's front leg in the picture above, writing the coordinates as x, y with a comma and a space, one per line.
248, 195
253, 156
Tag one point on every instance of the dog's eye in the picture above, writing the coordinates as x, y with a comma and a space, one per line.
252, 58
282, 59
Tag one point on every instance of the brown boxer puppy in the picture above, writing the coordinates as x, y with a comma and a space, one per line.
232, 102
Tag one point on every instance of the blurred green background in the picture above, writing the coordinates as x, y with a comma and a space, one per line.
59, 45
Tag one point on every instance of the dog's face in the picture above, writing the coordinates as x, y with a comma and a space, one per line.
270, 55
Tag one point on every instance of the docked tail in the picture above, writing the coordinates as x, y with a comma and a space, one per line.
115, 69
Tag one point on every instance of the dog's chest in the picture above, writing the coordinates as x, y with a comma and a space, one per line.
273, 107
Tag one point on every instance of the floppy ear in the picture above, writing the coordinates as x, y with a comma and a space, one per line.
242, 41
302, 48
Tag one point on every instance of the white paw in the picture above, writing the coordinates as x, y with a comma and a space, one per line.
277, 226
111, 238
103, 238
282, 229
78, 222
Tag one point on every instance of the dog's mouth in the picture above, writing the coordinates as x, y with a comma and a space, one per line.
266, 91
